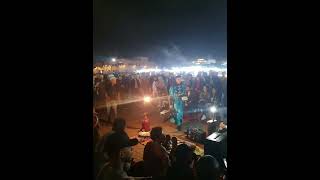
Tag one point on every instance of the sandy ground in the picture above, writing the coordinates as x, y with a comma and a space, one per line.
133, 113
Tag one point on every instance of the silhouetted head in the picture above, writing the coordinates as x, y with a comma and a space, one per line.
208, 168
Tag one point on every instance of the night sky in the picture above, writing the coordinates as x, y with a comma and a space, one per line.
160, 29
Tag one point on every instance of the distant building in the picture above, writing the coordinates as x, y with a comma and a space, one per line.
122, 64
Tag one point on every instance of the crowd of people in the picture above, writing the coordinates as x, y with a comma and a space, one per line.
163, 158
204, 88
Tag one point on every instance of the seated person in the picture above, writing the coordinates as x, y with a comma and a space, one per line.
222, 127
156, 159
119, 151
162, 139
167, 142
182, 167
119, 126
145, 126
208, 168
174, 146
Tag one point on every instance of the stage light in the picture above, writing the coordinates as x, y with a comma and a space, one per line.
213, 109
113, 59
147, 99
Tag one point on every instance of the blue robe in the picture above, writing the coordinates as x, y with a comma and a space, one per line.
176, 92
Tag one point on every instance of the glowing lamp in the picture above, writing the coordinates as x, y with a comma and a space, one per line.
213, 109
147, 99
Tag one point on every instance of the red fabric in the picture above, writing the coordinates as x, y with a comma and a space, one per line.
146, 124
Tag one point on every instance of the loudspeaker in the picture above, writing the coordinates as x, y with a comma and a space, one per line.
216, 145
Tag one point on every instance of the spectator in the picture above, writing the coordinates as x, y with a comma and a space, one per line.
197, 84
95, 95
140, 89
224, 89
122, 87
213, 94
188, 80
135, 85
193, 99
101, 89
208, 168
204, 95
155, 89
161, 85
171, 81
150, 83
162, 139
181, 169
222, 127
167, 142
145, 85
126, 81
120, 152
174, 146
119, 126
155, 157
112, 97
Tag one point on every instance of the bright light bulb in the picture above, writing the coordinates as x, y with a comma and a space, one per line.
147, 99
213, 109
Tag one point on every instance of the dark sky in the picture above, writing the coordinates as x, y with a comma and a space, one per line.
160, 28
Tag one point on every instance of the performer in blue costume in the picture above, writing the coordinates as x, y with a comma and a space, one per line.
176, 92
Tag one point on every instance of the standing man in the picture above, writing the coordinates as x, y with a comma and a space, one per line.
176, 93
155, 92
135, 85
112, 96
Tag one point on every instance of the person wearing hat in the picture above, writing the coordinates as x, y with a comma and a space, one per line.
118, 127
119, 149
112, 96
101, 151
176, 93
